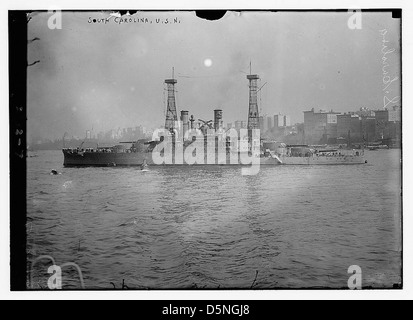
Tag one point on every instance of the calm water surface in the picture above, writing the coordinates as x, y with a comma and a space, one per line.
210, 227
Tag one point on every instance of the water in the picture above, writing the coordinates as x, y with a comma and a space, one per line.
211, 227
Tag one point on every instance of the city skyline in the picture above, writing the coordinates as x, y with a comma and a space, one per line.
364, 124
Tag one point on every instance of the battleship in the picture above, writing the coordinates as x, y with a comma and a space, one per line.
212, 144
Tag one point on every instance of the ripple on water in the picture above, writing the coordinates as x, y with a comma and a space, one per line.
212, 227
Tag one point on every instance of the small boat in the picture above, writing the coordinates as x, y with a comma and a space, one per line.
144, 166
377, 147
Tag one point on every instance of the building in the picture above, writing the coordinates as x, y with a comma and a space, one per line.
366, 112
278, 120
262, 124
392, 115
101, 136
320, 127
388, 124
362, 129
349, 126
369, 128
269, 123
282, 121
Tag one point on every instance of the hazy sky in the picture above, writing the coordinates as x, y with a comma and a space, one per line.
110, 75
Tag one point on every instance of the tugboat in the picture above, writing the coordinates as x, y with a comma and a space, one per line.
144, 166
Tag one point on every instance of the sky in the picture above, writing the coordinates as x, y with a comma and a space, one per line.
102, 76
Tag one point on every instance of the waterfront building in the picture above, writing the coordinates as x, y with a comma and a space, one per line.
388, 124
278, 120
281, 121
262, 124
320, 127
349, 126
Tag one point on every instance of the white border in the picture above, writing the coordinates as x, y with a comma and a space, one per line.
407, 16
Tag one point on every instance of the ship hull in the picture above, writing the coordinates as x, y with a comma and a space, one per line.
103, 159
339, 160
130, 159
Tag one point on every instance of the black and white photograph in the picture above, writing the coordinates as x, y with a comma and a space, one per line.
197, 150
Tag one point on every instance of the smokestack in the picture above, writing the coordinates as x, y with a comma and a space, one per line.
218, 119
192, 120
185, 122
